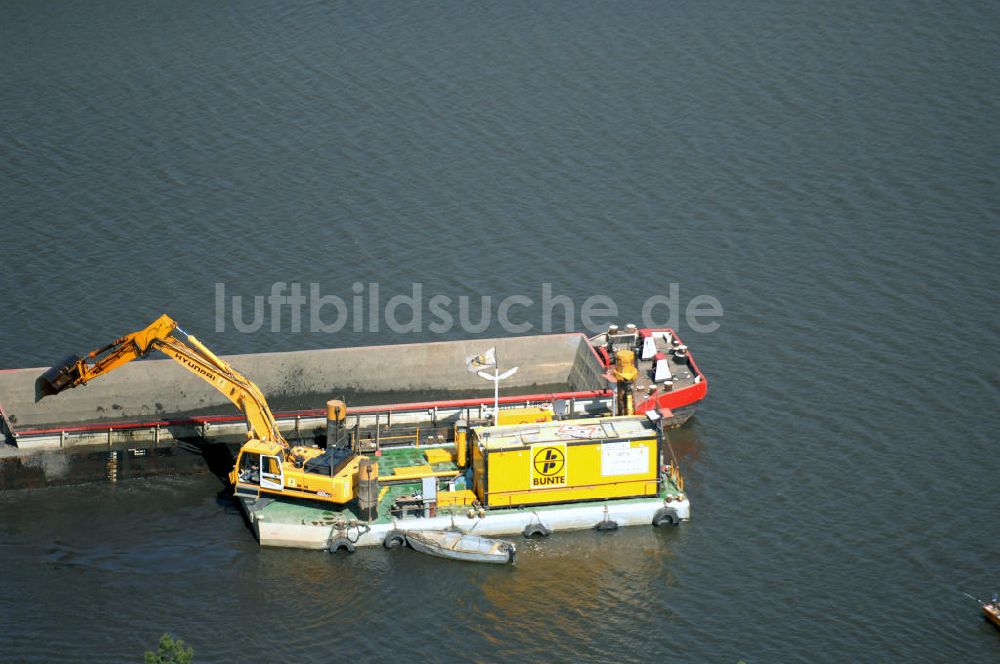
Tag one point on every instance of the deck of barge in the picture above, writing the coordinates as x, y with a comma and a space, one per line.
156, 400
305, 524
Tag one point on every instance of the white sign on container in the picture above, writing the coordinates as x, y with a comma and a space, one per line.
623, 459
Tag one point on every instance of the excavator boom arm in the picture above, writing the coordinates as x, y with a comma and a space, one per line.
189, 353
237, 388
75, 370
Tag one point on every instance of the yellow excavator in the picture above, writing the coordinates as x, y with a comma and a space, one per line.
266, 464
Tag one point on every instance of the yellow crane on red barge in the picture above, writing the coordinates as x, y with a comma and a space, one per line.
266, 463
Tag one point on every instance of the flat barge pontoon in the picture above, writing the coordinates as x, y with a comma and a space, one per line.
525, 479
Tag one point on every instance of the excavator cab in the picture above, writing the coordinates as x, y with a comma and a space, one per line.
248, 469
261, 469
259, 464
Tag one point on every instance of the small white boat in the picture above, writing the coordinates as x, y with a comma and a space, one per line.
460, 546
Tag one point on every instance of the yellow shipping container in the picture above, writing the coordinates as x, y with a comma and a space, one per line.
566, 461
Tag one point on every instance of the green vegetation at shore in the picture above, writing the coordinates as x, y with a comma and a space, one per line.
170, 651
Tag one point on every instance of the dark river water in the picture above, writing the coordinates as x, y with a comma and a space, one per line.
827, 172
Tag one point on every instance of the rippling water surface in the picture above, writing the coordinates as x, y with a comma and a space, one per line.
829, 172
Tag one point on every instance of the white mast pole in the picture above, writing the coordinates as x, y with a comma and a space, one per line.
496, 377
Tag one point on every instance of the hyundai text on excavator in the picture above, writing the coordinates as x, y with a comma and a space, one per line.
266, 464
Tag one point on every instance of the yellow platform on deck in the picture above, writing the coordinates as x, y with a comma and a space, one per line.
417, 472
412, 471
438, 455
524, 415
462, 497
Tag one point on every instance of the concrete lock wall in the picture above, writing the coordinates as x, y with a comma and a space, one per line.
300, 380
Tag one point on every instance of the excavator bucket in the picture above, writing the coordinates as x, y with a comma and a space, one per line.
61, 376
